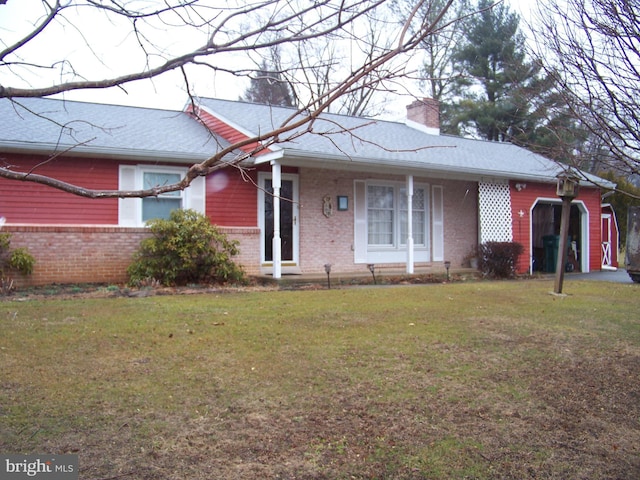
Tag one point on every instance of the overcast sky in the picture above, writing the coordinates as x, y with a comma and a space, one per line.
166, 91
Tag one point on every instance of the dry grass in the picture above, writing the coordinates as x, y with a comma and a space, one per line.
480, 380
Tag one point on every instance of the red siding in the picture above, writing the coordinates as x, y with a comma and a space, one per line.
232, 199
591, 198
229, 133
27, 202
522, 201
232, 196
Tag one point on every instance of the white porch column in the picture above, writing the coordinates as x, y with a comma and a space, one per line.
276, 173
409, 223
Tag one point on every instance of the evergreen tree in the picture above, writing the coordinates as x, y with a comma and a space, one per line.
267, 87
497, 88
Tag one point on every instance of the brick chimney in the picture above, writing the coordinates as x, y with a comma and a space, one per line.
424, 115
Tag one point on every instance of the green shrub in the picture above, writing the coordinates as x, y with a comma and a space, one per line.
22, 261
17, 260
185, 249
499, 259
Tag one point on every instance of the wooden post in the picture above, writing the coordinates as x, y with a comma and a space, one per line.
567, 190
562, 253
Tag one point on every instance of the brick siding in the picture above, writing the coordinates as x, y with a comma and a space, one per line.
460, 220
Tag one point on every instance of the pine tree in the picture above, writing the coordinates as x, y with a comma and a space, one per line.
267, 87
494, 94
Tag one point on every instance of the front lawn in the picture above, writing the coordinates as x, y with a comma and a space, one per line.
480, 380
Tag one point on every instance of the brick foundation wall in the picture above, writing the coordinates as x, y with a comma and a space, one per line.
97, 254
249, 238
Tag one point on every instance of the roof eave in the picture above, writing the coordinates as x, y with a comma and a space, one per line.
299, 158
101, 152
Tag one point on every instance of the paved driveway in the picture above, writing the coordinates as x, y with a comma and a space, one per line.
617, 276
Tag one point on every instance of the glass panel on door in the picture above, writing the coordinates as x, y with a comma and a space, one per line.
286, 220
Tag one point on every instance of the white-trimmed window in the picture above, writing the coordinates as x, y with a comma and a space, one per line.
380, 215
419, 217
387, 216
135, 212
162, 205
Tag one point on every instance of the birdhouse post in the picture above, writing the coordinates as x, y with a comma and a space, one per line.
567, 190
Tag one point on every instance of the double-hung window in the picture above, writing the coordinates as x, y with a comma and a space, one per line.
381, 215
135, 212
419, 216
387, 216
160, 206
381, 219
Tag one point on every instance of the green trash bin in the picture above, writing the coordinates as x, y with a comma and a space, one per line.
551, 245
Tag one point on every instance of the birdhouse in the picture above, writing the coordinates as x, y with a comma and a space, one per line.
568, 186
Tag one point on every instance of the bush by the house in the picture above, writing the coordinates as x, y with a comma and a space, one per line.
185, 249
16, 260
499, 259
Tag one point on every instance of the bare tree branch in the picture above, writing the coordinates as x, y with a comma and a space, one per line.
592, 49
282, 24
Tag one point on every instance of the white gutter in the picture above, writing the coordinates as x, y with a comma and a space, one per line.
101, 152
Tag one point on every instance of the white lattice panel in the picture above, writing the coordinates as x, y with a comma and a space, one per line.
495, 212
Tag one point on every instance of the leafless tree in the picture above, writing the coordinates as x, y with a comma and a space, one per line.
438, 70
205, 33
592, 49
315, 66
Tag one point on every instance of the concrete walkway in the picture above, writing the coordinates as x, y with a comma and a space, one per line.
615, 276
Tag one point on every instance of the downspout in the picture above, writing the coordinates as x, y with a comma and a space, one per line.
410, 257
276, 173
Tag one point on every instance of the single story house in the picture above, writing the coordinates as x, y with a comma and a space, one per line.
346, 191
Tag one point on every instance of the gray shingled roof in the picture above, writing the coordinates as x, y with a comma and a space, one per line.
382, 145
115, 131
50, 125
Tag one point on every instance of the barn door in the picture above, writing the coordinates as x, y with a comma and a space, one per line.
606, 241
